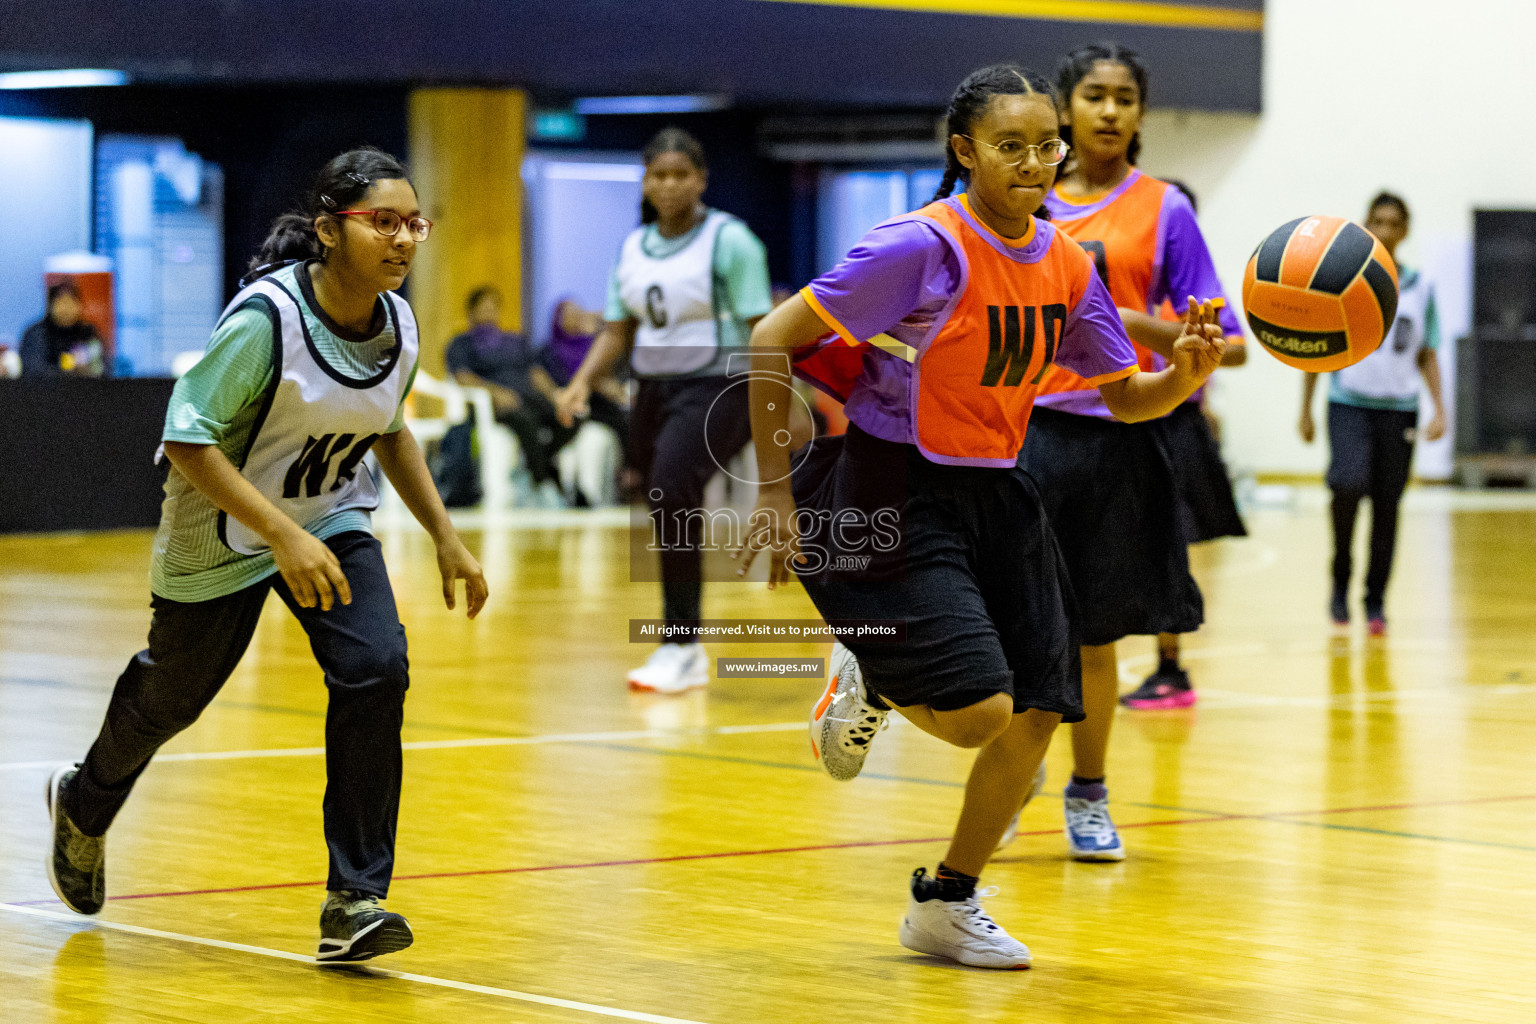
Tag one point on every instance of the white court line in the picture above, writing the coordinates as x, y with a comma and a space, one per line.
420, 979
487, 741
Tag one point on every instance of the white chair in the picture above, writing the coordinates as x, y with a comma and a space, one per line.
498, 445
589, 464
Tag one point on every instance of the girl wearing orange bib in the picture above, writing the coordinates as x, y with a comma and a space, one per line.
943, 323
1125, 500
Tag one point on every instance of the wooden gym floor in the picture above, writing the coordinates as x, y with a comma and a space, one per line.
1342, 829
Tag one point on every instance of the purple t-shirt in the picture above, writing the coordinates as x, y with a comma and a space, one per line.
900, 279
1181, 267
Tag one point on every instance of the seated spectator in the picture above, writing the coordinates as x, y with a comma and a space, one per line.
501, 362
570, 336
61, 343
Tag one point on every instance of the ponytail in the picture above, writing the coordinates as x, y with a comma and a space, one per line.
291, 239
342, 182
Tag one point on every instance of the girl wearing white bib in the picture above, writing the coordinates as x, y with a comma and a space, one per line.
1373, 419
307, 371
689, 284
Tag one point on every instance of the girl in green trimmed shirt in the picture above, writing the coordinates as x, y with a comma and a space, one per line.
307, 371
690, 284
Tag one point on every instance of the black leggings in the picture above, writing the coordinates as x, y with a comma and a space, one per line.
192, 650
681, 433
1372, 458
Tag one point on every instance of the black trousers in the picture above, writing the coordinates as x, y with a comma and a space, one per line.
192, 650
681, 433
539, 432
1372, 458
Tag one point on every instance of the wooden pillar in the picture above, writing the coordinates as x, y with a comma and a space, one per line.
466, 156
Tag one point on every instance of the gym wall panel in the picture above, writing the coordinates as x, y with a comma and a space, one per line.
1349, 111
466, 159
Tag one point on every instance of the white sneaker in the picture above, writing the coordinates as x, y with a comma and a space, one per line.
960, 931
672, 668
844, 722
1013, 826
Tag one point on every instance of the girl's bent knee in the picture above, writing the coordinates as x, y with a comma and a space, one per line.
978, 724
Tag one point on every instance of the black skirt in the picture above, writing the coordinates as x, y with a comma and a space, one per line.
974, 573
1109, 491
1207, 507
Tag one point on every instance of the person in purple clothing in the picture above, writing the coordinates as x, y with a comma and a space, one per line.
935, 332
1113, 489
572, 331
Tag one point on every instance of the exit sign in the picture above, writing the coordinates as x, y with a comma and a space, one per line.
566, 125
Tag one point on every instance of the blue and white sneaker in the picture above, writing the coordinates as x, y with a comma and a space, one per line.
1091, 835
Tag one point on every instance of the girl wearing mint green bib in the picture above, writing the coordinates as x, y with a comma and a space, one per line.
689, 285
307, 372
1373, 420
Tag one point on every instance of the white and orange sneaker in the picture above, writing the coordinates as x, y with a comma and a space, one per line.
672, 668
844, 721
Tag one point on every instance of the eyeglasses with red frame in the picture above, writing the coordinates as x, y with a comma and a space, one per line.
388, 222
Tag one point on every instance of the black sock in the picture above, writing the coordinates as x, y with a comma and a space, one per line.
954, 886
1167, 665
1078, 780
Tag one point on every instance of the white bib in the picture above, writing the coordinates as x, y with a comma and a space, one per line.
674, 299
1392, 371
306, 448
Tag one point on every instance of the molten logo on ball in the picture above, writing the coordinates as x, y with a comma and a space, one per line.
1320, 293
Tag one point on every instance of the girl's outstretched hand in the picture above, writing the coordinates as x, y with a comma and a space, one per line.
456, 563
1200, 345
771, 526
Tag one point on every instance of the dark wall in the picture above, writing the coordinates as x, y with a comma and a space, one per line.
79, 453
270, 140
759, 52
741, 181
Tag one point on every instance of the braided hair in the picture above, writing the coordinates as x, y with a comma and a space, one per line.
342, 182
1077, 65
969, 104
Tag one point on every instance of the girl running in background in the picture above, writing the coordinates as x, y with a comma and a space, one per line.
1110, 488
1207, 506
943, 323
306, 372
689, 285
1373, 416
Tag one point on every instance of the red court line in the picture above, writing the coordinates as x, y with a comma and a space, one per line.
1212, 817
618, 863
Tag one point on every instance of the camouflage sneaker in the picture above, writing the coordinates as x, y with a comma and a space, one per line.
354, 927
77, 863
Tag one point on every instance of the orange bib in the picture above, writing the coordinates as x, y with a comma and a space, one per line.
975, 379
1127, 228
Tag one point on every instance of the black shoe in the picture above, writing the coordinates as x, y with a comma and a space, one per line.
354, 927
77, 863
1165, 688
1339, 609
